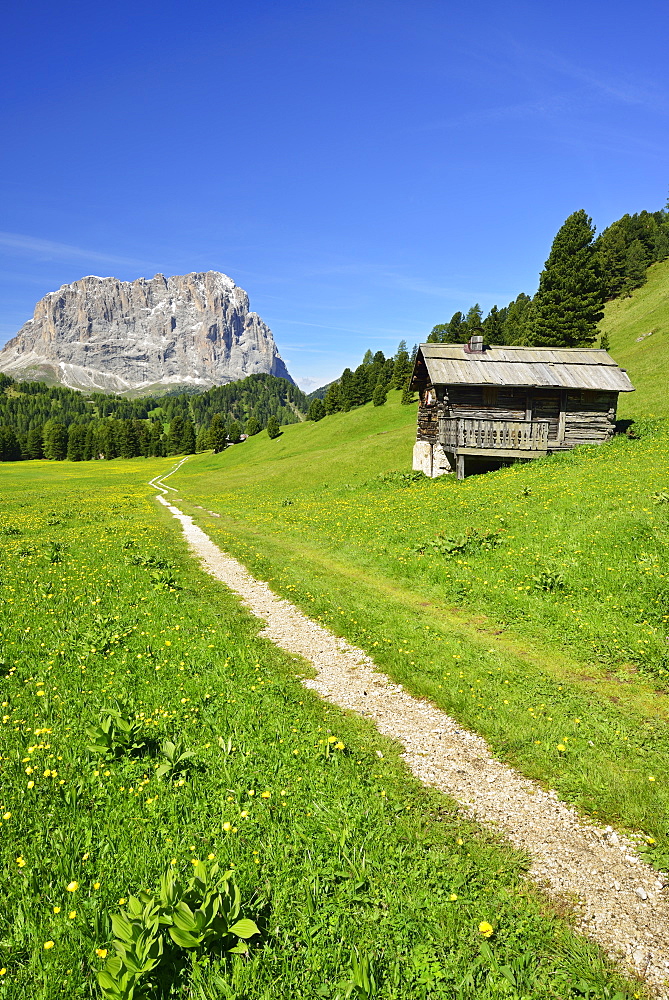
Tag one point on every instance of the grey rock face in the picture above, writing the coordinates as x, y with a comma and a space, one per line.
138, 336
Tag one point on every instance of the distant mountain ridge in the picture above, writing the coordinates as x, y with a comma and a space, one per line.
140, 336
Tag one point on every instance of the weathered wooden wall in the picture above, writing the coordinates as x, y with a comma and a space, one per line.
590, 417
575, 416
502, 403
428, 423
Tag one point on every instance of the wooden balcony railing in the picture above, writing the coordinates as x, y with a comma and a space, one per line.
493, 435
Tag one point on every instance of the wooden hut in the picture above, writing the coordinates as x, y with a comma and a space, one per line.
482, 407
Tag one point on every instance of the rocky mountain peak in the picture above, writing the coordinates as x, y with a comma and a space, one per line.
138, 336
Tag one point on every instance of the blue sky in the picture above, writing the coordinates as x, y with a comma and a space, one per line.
363, 170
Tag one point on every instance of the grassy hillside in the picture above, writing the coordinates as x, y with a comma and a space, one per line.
531, 603
336, 850
647, 360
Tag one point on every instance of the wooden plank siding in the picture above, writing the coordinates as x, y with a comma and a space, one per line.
428, 423
589, 417
468, 401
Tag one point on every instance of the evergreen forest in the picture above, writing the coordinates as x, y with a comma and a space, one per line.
40, 421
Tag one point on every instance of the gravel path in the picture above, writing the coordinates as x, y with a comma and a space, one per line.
620, 902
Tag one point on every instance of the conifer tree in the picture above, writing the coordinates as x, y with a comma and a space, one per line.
407, 396
474, 319
252, 426
401, 366
635, 267
202, 440
332, 401
380, 394
76, 442
612, 253
10, 449
346, 390
175, 434
234, 432
273, 428
568, 303
218, 435
187, 438
55, 440
316, 410
34, 444
518, 320
457, 329
156, 443
493, 327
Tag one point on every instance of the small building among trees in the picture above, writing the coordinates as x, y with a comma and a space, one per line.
483, 407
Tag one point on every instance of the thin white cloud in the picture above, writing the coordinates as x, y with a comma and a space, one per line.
62, 251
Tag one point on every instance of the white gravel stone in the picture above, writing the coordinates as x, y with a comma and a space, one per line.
569, 858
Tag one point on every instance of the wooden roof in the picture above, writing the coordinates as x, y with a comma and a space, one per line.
570, 368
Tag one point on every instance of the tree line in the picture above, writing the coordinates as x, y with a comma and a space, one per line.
582, 272
369, 383
41, 421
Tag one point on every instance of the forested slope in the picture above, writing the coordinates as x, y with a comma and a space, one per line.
41, 421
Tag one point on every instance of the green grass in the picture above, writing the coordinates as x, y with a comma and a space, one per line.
553, 631
647, 360
333, 849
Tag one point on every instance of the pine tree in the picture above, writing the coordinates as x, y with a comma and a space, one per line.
474, 320
402, 367
273, 428
234, 432
518, 320
156, 443
218, 435
568, 303
346, 390
635, 268
661, 248
380, 394
187, 438
407, 396
76, 442
35, 447
457, 329
128, 440
612, 253
493, 327
316, 410
332, 401
202, 440
55, 440
10, 449
252, 426
175, 434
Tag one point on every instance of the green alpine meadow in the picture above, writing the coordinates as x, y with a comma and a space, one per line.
181, 817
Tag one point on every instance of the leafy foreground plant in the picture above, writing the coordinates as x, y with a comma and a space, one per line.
116, 734
154, 935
